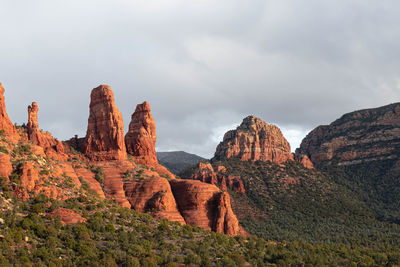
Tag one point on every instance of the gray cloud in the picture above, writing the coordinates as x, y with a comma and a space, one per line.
202, 65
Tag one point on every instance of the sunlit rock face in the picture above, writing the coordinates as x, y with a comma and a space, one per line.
360, 136
141, 137
255, 140
105, 133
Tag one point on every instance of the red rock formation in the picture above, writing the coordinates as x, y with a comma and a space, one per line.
201, 204
105, 133
305, 161
113, 181
360, 136
69, 171
68, 216
255, 140
38, 150
5, 166
225, 220
20, 192
33, 119
5, 123
51, 146
153, 195
234, 183
51, 191
88, 177
221, 169
205, 173
141, 137
29, 177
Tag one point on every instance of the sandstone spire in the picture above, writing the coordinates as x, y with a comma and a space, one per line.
141, 137
33, 125
51, 146
5, 123
105, 133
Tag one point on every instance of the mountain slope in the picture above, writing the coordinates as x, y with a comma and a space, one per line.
292, 201
361, 150
177, 161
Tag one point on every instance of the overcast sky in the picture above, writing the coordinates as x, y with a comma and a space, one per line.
202, 65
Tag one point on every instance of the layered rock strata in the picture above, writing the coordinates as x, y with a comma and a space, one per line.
360, 136
255, 140
205, 205
5, 166
105, 133
141, 137
206, 173
153, 195
6, 126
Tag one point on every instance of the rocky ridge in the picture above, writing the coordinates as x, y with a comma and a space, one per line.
360, 136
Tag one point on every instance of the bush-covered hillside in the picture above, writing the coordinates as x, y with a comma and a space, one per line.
290, 202
377, 183
116, 236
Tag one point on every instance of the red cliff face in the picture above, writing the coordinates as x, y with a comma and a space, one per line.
305, 161
5, 123
141, 137
153, 195
206, 173
113, 180
360, 136
5, 166
29, 177
225, 220
205, 205
255, 140
51, 146
105, 133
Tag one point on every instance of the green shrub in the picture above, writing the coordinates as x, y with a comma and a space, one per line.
3, 149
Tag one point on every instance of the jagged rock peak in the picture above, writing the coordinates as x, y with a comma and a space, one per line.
5, 123
255, 140
32, 119
141, 137
51, 146
105, 133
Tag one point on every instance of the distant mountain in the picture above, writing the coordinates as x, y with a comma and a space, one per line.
177, 161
